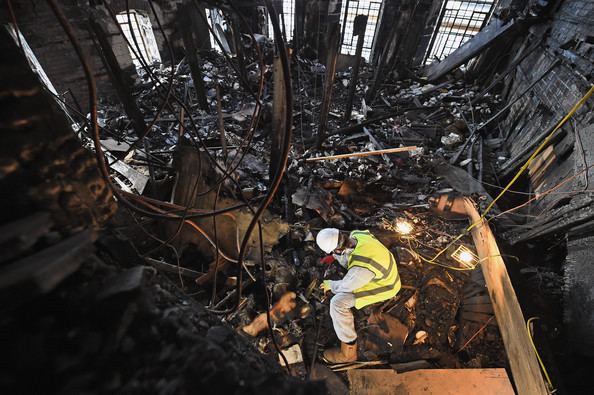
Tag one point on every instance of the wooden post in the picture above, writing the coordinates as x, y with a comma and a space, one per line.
333, 42
278, 115
185, 25
522, 359
118, 78
123, 91
221, 124
359, 26
201, 32
238, 44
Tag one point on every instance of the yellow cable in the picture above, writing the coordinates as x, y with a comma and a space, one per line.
519, 173
536, 351
534, 154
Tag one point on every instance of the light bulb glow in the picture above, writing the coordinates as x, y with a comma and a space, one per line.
403, 227
465, 256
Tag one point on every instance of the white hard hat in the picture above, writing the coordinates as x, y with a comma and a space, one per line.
327, 239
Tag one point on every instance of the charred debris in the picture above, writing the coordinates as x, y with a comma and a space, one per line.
165, 241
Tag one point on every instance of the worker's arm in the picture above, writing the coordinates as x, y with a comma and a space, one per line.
355, 278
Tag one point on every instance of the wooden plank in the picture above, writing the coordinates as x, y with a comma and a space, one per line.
523, 363
44, 270
373, 381
480, 299
365, 153
477, 308
18, 236
537, 177
430, 382
540, 159
495, 31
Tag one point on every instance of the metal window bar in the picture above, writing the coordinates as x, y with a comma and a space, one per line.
458, 22
362, 7
288, 17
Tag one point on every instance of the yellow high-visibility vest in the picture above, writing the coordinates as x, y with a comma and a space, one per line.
371, 254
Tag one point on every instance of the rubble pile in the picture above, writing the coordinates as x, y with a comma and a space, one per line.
105, 330
427, 319
183, 161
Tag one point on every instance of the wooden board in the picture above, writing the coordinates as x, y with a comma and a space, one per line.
538, 177
522, 360
540, 159
495, 31
430, 382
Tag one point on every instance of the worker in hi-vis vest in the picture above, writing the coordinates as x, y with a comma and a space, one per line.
372, 277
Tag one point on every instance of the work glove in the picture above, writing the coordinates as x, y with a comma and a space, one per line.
327, 260
325, 286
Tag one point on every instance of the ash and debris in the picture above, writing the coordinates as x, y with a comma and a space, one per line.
428, 320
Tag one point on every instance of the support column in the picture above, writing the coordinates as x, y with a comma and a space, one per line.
278, 115
192, 54
333, 42
359, 26
118, 78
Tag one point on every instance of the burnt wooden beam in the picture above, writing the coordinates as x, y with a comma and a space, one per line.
198, 16
18, 236
185, 25
494, 32
518, 346
279, 110
359, 26
221, 124
123, 89
44, 270
333, 42
238, 44
299, 21
118, 78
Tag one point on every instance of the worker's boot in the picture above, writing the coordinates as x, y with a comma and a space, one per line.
346, 353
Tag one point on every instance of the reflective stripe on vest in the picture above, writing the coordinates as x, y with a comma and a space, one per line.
374, 256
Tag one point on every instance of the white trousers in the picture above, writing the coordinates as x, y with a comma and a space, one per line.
342, 316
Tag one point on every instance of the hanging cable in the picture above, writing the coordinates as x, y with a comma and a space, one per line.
544, 370
521, 171
536, 152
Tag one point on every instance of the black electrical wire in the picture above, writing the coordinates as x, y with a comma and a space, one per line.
169, 89
278, 173
225, 54
255, 118
165, 101
179, 102
193, 124
67, 27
